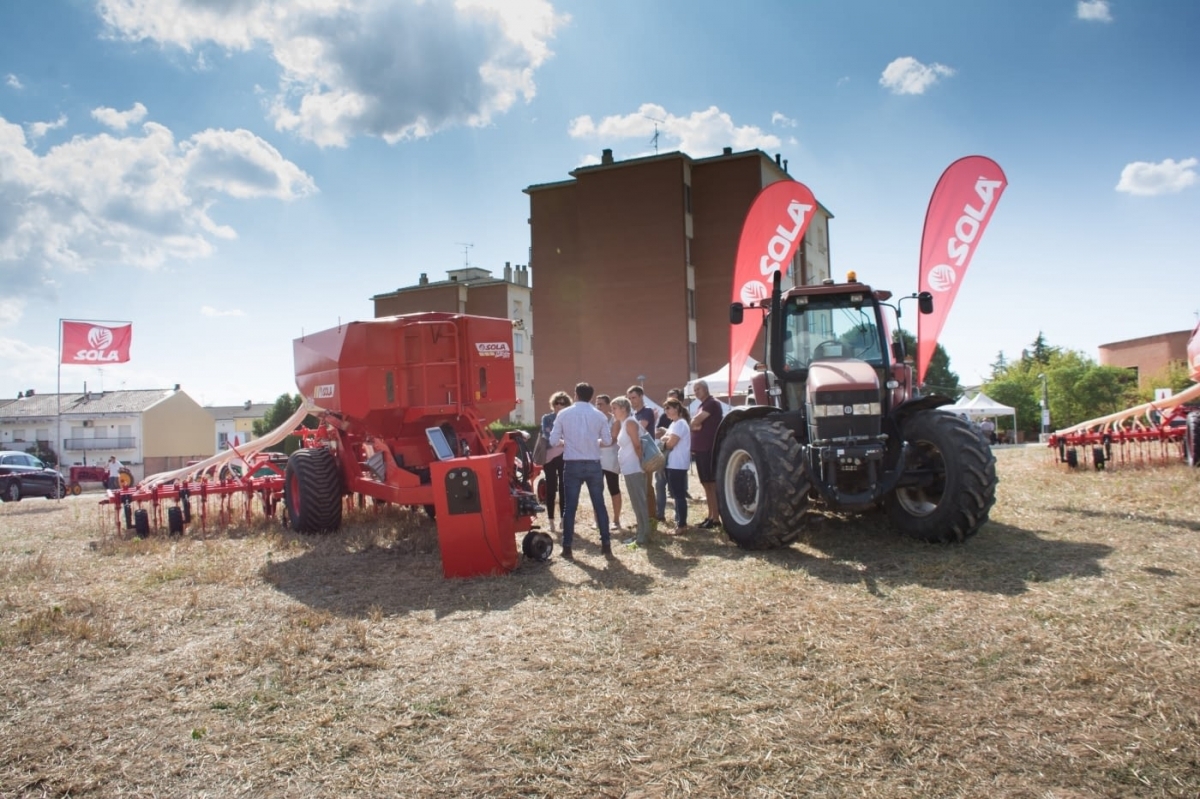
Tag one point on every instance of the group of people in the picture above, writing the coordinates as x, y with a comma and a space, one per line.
596, 440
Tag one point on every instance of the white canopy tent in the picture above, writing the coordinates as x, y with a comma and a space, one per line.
981, 406
718, 381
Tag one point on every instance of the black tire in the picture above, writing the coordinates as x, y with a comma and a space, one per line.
312, 491
957, 473
141, 523
12, 491
1192, 439
60, 491
175, 521
761, 491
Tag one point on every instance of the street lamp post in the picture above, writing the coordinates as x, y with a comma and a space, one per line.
1045, 407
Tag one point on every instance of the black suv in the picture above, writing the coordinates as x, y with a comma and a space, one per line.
22, 475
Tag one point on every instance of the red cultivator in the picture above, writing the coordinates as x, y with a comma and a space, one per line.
403, 407
1157, 432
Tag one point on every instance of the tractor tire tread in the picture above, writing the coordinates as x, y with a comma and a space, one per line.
783, 496
970, 480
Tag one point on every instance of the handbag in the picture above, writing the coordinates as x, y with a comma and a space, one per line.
539, 450
652, 457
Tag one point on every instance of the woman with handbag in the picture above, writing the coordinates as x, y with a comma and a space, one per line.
629, 458
677, 443
552, 468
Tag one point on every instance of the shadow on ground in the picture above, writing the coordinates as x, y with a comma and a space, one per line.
999, 559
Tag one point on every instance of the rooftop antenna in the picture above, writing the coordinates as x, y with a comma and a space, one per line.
466, 245
654, 138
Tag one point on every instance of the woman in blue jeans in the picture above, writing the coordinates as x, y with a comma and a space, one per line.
677, 443
553, 467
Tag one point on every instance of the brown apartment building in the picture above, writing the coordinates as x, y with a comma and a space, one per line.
633, 263
1148, 356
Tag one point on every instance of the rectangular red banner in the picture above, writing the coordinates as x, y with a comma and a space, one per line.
95, 344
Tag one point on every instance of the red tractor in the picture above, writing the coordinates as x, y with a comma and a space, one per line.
403, 408
839, 424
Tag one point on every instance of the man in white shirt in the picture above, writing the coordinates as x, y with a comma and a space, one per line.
581, 429
114, 473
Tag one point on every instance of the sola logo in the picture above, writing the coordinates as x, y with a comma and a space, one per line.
493, 349
942, 277
100, 338
754, 292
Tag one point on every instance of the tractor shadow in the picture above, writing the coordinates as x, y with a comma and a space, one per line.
361, 570
1000, 559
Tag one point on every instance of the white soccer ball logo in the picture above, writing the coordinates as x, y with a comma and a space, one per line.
942, 277
753, 292
99, 337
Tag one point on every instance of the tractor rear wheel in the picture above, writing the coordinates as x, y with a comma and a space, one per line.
761, 490
1192, 440
312, 491
949, 481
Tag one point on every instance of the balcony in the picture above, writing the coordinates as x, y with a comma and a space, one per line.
90, 444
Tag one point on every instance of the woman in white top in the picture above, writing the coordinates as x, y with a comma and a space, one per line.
629, 458
677, 443
608, 460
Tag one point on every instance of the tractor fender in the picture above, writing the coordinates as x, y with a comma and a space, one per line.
736, 417
924, 402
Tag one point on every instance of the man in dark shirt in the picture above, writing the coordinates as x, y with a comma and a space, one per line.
704, 434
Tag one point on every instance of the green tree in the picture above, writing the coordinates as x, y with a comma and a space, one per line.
1176, 376
939, 379
1078, 388
277, 414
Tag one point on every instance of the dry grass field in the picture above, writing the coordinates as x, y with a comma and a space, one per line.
1056, 654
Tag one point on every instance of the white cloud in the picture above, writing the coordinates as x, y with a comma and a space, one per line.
208, 310
1093, 10
119, 120
1145, 179
13, 82
39, 129
137, 200
907, 75
782, 121
11, 309
699, 134
397, 70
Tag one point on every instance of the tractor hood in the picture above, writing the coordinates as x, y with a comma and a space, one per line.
843, 374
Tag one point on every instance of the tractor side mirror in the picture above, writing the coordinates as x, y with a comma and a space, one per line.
736, 312
898, 351
925, 302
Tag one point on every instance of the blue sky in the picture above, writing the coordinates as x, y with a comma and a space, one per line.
228, 174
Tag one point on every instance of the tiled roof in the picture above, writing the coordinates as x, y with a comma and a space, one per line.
89, 404
256, 411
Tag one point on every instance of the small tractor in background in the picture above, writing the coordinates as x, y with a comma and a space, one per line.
839, 424
403, 405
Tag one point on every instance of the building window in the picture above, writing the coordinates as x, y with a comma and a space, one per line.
691, 303
519, 376
518, 342
43, 434
18, 435
518, 310
687, 250
692, 359
687, 198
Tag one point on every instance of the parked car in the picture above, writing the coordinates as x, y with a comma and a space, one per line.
22, 475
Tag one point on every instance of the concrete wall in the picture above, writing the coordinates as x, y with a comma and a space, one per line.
177, 427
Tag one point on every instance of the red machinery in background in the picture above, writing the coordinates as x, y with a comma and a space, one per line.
403, 406
1157, 430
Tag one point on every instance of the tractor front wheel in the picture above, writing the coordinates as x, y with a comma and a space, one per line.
312, 491
761, 491
949, 480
